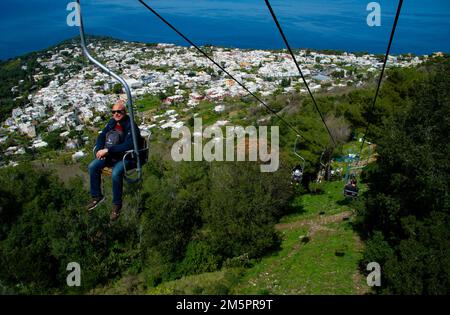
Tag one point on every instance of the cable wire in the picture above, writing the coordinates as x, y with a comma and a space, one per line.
399, 8
298, 67
223, 69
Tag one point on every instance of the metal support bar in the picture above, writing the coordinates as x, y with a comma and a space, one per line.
122, 82
298, 155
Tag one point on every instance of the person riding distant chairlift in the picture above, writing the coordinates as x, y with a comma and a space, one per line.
353, 181
351, 189
112, 143
297, 174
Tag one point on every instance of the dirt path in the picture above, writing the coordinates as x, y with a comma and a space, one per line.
318, 225
315, 222
315, 225
358, 281
64, 172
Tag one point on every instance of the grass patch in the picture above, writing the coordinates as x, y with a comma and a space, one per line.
148, 102
307, 268
309, 206
211, 283
314, 258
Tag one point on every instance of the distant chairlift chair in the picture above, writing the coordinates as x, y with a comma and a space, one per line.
351, 189
298, 170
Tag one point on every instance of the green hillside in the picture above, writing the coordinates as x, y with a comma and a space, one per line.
319, 254
228, 228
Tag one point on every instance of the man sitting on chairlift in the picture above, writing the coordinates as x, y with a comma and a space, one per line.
112, 143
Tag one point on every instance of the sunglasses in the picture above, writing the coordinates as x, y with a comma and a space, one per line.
118, 112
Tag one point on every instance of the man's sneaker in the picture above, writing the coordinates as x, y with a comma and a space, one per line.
115, 212
95, 202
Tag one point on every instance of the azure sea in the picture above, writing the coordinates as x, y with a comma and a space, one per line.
423, 28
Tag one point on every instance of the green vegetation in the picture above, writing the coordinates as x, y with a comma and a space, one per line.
148, 102
319, 254
285, 82
17, 77
211, 283
227, 228
43, 228
54, 140
331, 52
189, 226
405, 218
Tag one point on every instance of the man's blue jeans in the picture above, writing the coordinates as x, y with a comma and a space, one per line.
95, 173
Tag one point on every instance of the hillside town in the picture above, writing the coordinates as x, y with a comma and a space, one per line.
179, 76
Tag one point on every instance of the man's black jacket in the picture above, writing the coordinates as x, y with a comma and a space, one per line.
117, 151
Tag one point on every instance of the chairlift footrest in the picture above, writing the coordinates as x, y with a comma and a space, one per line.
107, 171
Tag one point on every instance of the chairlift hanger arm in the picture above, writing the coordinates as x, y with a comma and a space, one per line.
321, 159
121, 81
298, 155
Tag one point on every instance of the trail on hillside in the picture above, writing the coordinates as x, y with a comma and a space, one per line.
319, 253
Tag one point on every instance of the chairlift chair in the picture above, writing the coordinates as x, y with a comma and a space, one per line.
350, 192
143, 156
351, 188
136, 153
298, 170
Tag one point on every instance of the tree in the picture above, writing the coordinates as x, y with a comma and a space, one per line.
339, 128
117, 88
54, 140
338, 74
43, 229
242, 207
406, 218
25, 254
172, 195
285, 82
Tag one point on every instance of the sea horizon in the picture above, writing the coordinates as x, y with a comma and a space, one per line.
423, 28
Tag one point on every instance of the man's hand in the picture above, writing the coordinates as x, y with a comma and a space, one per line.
101, 154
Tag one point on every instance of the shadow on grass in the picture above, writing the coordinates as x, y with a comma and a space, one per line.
344, 202
296, 208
